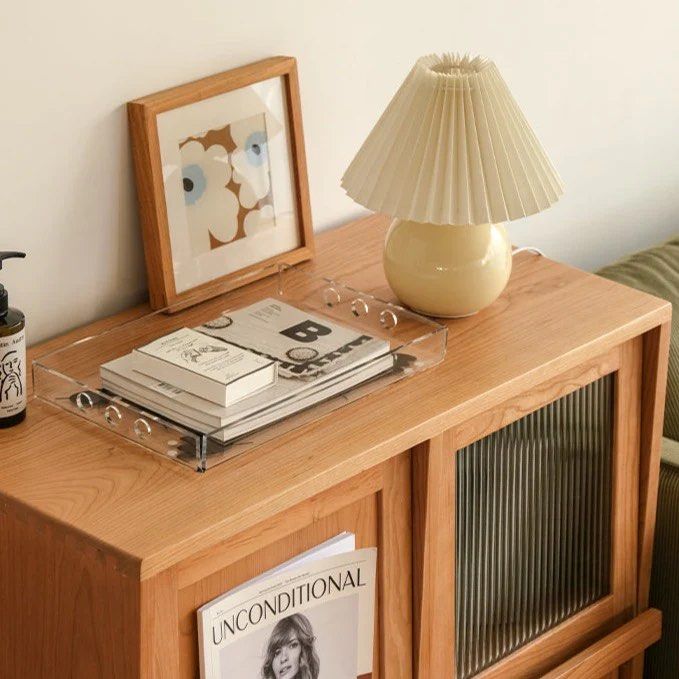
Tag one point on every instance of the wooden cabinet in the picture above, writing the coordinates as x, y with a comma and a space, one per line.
103, 621
106, 550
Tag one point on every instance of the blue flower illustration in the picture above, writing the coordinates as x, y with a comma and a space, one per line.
255, 148
193, 179
211, 207
250, 159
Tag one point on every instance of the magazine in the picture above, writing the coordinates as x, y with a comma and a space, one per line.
317, 615
304, 345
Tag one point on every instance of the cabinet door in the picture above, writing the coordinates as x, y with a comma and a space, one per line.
375, 505
526, 522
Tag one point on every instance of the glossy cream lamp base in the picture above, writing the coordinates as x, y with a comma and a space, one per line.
445, 270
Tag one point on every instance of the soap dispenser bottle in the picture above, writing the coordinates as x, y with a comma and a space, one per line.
12, 358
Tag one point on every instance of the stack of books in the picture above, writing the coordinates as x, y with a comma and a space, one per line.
246, 369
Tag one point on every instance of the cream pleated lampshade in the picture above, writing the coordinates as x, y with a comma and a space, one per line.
453, 147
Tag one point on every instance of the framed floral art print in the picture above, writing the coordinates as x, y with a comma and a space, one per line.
221, 181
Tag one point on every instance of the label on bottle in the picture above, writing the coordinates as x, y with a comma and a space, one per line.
12, 374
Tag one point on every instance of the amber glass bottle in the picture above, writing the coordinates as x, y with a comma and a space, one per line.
12, 358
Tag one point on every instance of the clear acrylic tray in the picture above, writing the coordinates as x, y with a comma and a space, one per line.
70, 377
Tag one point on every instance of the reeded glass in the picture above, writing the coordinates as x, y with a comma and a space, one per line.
533, 525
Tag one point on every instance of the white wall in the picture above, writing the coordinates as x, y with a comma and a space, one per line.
598, 81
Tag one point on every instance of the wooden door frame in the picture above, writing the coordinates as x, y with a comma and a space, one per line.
388, 485
637, 365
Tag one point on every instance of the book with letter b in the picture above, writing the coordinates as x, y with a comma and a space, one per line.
304, 345
312, 617
212, 369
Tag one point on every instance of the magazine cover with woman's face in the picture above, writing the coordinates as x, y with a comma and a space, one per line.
321, 642
313, 622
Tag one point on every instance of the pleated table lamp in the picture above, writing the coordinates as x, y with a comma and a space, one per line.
452, 158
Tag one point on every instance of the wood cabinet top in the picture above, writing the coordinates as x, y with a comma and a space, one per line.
151, 513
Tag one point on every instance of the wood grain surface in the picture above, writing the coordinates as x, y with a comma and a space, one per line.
374, 505
550, 319
656, 351
613, 650
67, 608
434, 557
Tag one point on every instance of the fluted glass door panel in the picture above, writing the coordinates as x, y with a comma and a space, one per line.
533, 533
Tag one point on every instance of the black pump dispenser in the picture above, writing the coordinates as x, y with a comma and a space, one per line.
4, 298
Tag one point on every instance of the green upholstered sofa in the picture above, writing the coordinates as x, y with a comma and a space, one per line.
656, 271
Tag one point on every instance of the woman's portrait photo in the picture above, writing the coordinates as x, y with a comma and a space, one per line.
320, 643
291, 653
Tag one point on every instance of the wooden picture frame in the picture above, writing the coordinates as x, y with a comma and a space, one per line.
154, 120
